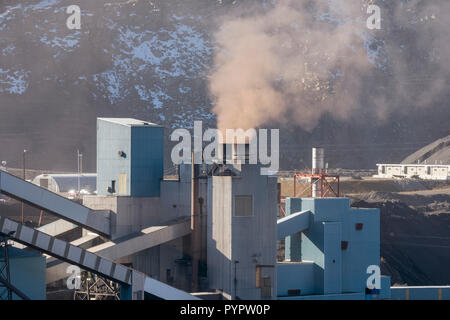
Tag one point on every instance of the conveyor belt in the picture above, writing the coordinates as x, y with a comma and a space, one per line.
293, 223
86, 260
96, 221
147, 238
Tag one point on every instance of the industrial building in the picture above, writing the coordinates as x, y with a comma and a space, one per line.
421, 171
209, 233
332, 249
64, 183
26, 270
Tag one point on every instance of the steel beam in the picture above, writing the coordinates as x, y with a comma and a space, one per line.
96, 221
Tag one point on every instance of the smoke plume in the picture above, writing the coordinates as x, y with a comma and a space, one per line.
300, 60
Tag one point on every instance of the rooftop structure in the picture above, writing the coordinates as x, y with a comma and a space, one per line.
129, 157
421, 171
62, 183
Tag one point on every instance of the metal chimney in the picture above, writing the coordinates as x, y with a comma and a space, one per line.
318, 155
317, 160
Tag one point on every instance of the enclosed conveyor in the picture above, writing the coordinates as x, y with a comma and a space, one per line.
95, 220
294, 223
147, 238
88, 261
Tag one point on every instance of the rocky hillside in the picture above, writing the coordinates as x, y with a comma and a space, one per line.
415, 229
436, 152
151, 60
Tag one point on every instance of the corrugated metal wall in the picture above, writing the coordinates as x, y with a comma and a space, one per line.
138, 169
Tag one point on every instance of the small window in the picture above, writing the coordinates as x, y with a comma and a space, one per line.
243, 206
294, 292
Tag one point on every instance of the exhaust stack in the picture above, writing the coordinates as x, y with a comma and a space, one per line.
318, 156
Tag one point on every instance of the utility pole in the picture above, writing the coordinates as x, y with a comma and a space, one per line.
24, 178
80, 168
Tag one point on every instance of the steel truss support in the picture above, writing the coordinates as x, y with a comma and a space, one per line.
94, 287
326, 183
6, 287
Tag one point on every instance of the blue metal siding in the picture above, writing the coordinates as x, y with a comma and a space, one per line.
332, 258
292, 244
28, 273
292, 276
147, 162
323, 245
143, 162
112, 138
363, 247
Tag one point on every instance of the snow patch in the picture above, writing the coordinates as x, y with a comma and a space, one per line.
14, 81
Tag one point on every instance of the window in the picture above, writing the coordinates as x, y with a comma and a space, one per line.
243, 206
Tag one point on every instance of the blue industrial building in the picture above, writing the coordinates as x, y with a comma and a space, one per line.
329, 250
129, 157
27, 271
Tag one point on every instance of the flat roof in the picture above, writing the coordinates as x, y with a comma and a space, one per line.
129, 122
420, 287
68, 175
414, 164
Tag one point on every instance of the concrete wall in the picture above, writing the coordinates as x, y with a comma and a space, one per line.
173, 269
238, 245
129, 214
163, 263
254, 238
176, 198
219, 233
132, 214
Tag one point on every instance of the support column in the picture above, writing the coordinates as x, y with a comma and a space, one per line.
292, 244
